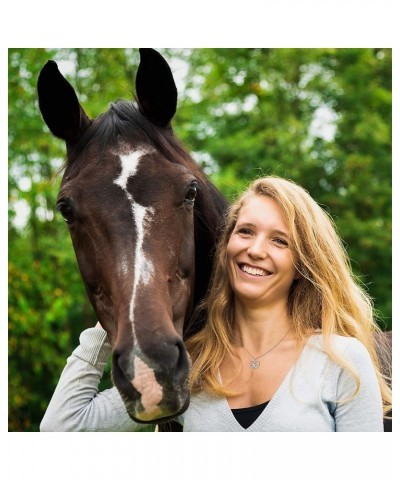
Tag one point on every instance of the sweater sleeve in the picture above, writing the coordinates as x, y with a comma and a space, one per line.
364, 412
77, 404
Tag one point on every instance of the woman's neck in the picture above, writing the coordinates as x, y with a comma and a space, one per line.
259, 327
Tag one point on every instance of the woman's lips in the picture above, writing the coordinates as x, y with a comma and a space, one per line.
253, 271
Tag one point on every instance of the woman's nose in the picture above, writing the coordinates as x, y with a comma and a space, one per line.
258, 248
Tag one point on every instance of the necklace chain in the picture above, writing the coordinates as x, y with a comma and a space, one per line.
255, 362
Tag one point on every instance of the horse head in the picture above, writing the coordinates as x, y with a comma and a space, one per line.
142, 219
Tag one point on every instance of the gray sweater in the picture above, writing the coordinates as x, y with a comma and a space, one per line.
308, 400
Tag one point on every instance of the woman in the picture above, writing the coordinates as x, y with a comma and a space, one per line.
289, 341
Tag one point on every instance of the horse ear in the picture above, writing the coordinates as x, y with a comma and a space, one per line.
155, 87
59, 104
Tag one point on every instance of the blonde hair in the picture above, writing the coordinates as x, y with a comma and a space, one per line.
326, 297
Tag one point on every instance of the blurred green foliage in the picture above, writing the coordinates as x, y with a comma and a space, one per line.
321, 117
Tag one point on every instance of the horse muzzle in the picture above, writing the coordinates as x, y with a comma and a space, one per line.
153, 388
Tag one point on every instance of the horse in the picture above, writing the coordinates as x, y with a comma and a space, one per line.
143, 219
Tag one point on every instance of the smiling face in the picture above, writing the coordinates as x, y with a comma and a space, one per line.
260, 262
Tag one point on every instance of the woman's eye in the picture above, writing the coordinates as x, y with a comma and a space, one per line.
66, 211
281, 242
244, 232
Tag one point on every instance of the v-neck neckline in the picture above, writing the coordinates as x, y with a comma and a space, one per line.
230, 419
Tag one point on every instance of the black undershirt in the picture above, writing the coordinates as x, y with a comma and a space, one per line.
247, 416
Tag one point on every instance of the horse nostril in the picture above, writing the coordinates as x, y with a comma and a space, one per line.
172, 356
123, 363
182, 355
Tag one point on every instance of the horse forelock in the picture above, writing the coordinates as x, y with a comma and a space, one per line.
123, 123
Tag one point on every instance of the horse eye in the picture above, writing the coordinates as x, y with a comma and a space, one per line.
65, 209
191, 194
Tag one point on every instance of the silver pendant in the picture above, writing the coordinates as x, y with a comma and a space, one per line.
254, 364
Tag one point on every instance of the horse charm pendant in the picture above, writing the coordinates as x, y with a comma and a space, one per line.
254, 364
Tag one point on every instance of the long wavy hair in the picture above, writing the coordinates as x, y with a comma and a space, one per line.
326, 298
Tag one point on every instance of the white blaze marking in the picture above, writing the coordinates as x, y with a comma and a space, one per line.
145, 381
124, 267
143, 268
146, 384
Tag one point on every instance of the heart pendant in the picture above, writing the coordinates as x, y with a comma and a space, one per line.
254, 364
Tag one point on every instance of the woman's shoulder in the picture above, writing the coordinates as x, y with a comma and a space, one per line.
348, 347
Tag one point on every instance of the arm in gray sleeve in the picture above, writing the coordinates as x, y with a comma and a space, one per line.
77, 404
363, 413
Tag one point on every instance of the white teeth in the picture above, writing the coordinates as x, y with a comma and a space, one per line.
254, 271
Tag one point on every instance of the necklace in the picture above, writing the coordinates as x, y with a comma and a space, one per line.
255, 362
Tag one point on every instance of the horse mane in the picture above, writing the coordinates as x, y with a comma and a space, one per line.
124, 123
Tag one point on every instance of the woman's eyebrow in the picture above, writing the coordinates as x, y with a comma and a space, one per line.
245, 224
281, 233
